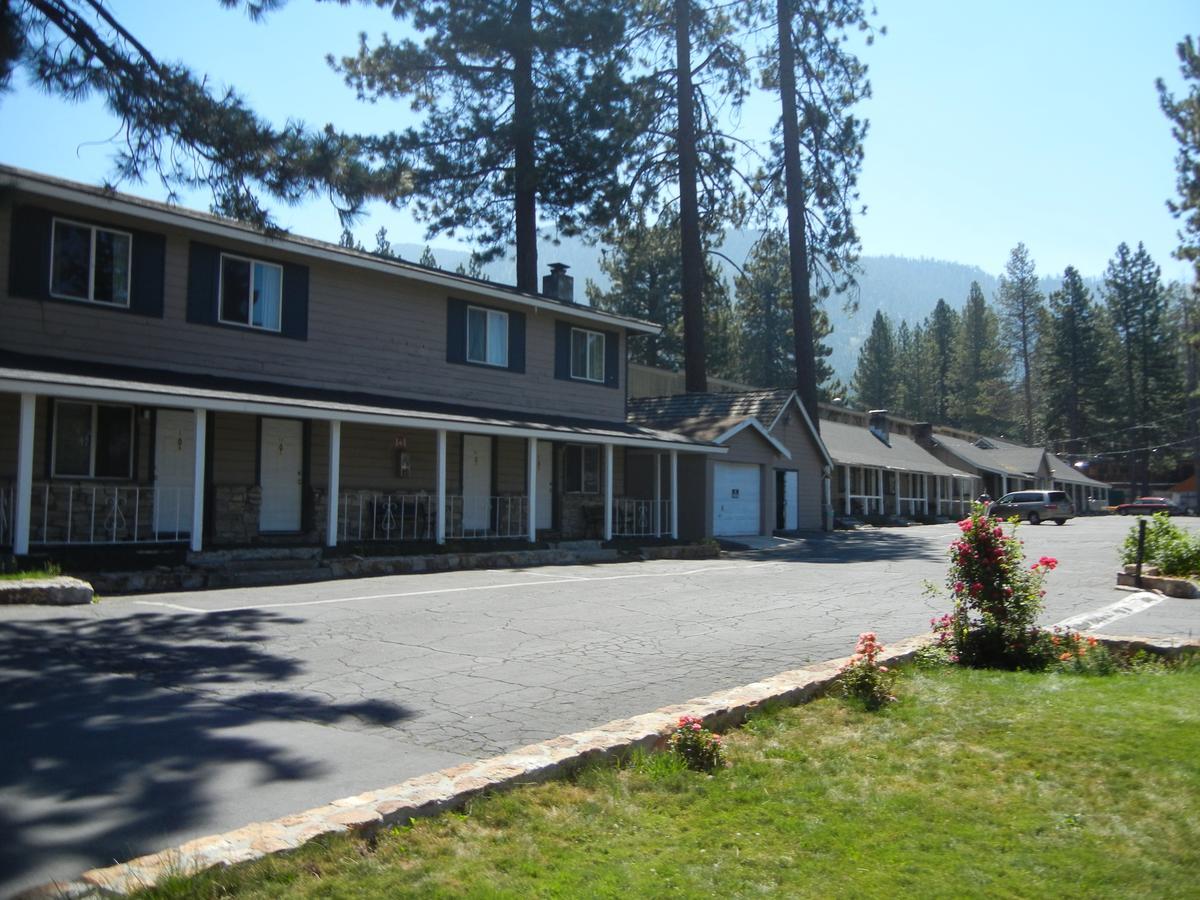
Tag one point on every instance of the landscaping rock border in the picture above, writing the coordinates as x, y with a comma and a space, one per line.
58, 590
449, 789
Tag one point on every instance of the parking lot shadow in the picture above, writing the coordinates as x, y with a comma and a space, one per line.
868, 545
109, 739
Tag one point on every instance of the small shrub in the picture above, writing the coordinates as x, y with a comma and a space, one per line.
698, 747
997, 598
1172, 549
864, 679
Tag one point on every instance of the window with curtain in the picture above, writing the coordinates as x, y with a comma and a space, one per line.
587, 355
487, 336
251, 293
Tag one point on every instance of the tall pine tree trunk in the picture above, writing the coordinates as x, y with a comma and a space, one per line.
691, 249
524, 154
806, 366
1025, 341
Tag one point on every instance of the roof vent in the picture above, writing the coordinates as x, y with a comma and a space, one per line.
558, 284
984, 444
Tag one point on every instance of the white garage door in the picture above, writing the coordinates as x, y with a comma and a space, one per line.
736, 499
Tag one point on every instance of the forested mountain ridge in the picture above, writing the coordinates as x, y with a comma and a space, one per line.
904, 288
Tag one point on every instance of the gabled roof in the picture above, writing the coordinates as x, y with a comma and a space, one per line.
1061, 470
229, 229
717, 416
996, 455
855, 445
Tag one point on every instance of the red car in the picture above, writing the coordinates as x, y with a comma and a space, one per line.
1145, 506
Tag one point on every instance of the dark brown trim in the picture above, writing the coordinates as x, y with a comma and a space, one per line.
258, 420
306, 502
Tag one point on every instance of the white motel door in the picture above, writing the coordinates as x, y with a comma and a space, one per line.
545, 484
477, 482
736, 499
280, 462
174, 471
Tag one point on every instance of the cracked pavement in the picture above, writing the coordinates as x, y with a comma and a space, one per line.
142, 722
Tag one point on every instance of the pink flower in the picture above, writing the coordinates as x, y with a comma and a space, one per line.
976, 588
883, 668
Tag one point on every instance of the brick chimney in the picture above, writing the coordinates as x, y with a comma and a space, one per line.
558, 284
878, 423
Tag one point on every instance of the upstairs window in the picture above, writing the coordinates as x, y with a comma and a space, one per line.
89, 263
587, 355
92, 440
487, 336
251, 292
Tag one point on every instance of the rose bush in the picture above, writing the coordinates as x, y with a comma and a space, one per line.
997, 598
864, 679
698, 747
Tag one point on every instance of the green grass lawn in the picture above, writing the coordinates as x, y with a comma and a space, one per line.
975, 784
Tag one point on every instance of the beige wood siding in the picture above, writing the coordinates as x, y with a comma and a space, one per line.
366, 332
808, 462
235, 448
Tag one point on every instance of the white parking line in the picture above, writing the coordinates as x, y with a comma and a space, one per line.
1106, 615
452, 590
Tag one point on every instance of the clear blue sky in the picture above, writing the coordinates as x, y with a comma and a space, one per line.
991, 123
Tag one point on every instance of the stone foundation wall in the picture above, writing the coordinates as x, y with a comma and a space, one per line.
235, 513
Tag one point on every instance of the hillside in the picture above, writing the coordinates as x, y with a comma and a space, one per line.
905, 289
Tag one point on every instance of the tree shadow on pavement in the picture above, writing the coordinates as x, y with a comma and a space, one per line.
868, 545
112, 734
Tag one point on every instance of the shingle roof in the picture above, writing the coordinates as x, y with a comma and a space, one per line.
158, 383
853, 445
707, 416
1061, 470
1000, 456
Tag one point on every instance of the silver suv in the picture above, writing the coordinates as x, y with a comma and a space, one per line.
1035, 506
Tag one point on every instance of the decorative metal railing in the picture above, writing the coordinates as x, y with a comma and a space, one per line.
108, 514
382, 516
641, 518
470, 518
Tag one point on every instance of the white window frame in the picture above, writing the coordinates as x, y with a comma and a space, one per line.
588, 336
92, 476
91, 297
487, 326
249, 323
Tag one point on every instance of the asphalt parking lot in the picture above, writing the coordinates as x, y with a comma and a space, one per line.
139, 723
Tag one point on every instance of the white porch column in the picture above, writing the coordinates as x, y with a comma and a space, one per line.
1003, 486
198, 481
441, 486
846, 491
675, 495
879, 491
608, 491
23, 496
658, 495
925, 493
335, 472
827, 509
896, 500
937, 487
531, 464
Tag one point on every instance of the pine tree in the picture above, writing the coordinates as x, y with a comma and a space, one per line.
1149, 379
695, 74
427, 258
1075, 382
764, 315
943, 327
1020, 302
980, 367
173, 125
1184, 114
874, 381
524, 108
914, 375
643, 268
819, 82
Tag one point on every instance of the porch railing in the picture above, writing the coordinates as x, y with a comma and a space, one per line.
641, 518
382, 516
487, 517
6, 515
107, 514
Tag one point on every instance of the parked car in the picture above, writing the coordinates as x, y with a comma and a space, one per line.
1145, 506
1034, 506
